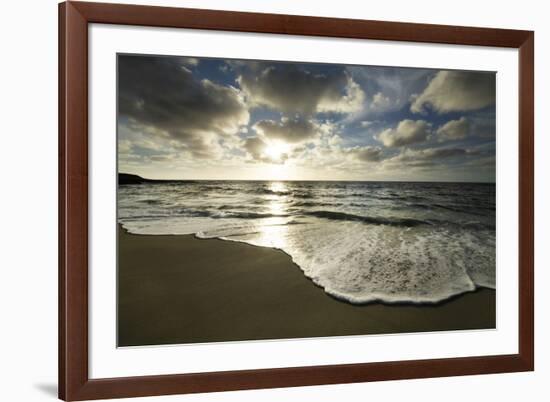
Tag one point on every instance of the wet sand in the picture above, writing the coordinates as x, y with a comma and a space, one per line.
180, 289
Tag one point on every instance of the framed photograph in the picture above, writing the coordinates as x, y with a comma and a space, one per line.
260, 200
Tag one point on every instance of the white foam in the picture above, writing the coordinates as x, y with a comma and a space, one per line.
359, 262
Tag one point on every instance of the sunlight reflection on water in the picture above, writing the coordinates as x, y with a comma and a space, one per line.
274, 230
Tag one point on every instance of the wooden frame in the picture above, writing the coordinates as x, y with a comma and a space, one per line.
74, 383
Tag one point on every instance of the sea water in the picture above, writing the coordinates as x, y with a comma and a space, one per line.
360, 241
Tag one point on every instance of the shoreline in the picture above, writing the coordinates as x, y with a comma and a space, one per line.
234, 291
340, 299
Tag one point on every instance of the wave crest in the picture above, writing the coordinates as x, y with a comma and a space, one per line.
342, 216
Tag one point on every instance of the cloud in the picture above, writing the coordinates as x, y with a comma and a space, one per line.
476, 125
388, 89
161, 96
454, 130
381, 102
288, 130
292, 89
350, 102
437, 153
366, 123
256, 148
366, 153
139, 144
407, 132
190, 61
428, 154
453, 91
427, 157
161, 158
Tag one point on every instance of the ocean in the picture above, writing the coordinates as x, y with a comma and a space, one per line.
394, 242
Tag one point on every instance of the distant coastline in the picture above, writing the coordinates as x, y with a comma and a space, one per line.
127, 178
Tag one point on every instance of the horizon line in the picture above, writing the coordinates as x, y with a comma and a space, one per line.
316, 180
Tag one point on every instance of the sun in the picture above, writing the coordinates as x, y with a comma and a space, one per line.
276, 151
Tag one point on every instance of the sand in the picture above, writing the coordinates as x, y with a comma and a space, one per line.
180, 289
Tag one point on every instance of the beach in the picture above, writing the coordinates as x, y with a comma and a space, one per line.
176, 289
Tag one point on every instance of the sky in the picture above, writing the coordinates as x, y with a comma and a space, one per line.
203, 118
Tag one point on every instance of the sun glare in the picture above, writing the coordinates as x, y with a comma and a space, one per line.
276, 150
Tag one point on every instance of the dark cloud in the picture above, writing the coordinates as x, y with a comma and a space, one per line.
288, 130
479, 126
452, 91
407, 132
429, 158
367, 153
161, 95
438, 153
429, 154
293, 89
161, 158
255, 147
